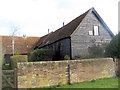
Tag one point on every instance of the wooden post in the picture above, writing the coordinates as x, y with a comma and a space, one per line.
15, 78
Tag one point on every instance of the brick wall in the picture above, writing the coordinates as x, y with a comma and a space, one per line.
42, 74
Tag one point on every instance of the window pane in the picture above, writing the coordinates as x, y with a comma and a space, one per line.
96, 30
90, 32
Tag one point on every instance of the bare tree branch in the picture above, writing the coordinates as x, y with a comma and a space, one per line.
14, 32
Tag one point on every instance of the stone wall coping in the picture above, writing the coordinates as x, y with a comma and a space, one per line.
62, 61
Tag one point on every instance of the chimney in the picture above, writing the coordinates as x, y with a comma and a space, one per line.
63, 24
48, 31
24, 36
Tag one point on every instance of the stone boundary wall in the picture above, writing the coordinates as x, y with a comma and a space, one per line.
44, 74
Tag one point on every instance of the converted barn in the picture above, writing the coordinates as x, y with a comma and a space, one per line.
77, 36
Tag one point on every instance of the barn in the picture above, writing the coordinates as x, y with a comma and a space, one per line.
76, 37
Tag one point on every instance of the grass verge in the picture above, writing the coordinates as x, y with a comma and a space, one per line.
99, 83
104, 84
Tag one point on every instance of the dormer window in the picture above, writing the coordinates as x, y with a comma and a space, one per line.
96, 30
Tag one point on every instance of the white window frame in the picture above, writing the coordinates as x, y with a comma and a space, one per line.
96, 30
91, 33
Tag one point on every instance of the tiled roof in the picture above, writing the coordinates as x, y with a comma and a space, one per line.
62, 32
22, 45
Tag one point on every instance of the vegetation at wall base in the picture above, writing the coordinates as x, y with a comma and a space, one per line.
66, 57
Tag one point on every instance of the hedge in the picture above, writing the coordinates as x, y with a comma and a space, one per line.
40, 55
17, 58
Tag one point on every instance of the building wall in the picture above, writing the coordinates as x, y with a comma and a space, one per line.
60, 48
44, 74
81, 40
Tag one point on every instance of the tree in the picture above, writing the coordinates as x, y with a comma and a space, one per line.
113, 48
14, 32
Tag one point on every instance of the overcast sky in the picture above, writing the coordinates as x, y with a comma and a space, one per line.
35, 17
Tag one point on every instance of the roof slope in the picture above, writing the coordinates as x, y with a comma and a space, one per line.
68, 30
22, 45
62, 32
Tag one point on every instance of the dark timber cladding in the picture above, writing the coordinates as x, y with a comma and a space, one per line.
75, 38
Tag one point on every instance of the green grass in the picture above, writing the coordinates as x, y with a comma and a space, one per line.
99, 83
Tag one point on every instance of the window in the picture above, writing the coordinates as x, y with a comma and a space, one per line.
9, 45
90, 32
96, 31
28, 46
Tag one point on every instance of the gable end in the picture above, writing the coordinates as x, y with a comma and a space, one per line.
102, 22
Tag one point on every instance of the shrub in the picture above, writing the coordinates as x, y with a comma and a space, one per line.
67, 57
40, 55
113, 48
17, 58
17, 53
95, 51
6, 67
84, 56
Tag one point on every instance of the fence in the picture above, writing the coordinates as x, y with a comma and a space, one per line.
9, 78
44, 74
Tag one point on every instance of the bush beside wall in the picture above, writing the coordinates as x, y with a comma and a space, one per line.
113, 48
40, 55
17, 58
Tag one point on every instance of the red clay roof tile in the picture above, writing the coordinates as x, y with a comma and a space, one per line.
22, 45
